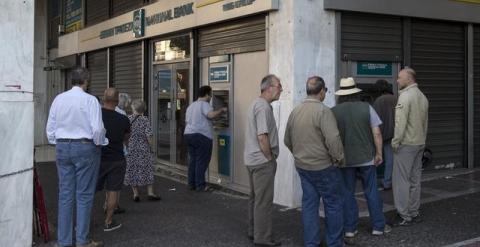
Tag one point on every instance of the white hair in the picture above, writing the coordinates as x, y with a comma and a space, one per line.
124, 100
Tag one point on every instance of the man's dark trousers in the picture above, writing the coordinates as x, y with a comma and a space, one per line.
200, 153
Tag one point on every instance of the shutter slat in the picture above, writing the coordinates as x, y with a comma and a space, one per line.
246, 35
438, 57
371, 37
127, 69
476, 97
97, 65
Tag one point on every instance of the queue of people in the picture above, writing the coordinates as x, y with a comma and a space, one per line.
334, 147
104, 149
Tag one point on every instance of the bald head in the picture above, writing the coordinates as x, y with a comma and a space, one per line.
406, 77
411, 73
110, 98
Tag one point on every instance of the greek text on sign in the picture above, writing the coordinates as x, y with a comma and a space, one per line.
219, 73
237, 4
374, 68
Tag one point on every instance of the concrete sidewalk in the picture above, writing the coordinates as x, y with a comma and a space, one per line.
185, 218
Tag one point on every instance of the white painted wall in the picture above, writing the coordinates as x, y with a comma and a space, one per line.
301, 44
16, 121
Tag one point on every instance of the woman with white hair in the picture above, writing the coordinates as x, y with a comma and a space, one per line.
140, 157
124, 102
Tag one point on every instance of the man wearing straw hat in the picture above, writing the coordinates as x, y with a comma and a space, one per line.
358, 124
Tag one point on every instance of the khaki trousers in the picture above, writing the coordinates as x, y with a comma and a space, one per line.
260, 203
407, 174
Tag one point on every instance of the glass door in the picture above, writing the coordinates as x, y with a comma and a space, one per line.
170, 88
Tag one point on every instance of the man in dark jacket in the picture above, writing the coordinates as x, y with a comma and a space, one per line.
385, 108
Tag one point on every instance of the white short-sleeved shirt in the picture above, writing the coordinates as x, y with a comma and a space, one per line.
197, 120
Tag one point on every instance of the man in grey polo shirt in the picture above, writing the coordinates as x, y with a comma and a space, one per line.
261, 151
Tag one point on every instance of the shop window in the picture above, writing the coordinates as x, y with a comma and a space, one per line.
177, 48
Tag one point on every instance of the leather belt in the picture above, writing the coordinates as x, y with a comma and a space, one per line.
74, 140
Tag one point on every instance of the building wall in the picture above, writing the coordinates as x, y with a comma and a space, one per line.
302, 43
16, 117
40, 84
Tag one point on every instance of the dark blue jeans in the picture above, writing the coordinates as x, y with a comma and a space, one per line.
325, 184
200, 153
368, 175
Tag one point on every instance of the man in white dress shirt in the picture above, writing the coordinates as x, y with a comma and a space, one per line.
75, 126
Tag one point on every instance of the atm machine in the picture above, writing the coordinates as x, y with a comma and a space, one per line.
220, 79
366, 73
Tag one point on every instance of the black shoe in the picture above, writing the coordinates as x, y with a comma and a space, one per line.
204, 189
250, 237
154, 198
119, 210
349, 241
399, 221
112, 226
272, 243
136, 198
191, 187
417, 219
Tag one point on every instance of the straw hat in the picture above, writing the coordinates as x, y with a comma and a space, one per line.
347, 87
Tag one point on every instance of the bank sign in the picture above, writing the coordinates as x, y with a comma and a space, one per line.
159, 18
139, 21
374, 69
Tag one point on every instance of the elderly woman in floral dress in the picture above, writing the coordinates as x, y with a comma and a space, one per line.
140, 157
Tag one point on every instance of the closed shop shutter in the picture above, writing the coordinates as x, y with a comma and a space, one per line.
123, 6
96, 11
438, 57
127, 69
245, 35
476, 97
371, 37
97, 65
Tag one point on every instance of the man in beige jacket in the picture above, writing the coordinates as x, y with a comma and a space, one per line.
408, 143
314, 140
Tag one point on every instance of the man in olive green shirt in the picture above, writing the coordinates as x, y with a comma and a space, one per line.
408, 143
314, 140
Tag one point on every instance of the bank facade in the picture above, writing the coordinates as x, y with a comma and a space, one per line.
162, 51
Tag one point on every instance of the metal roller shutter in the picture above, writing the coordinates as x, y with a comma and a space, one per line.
97, 65
127, 69
245, 35
96, 11
476, 97
123, 6
438, 57
371, 37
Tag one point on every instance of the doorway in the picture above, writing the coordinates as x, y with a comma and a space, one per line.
170, 102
